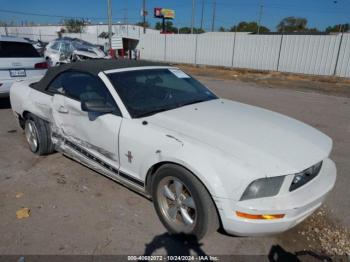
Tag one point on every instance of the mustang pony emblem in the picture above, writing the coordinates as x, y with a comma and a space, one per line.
129, 156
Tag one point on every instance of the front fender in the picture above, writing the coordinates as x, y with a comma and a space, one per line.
223, 176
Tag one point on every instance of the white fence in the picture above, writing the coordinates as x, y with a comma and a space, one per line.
91, 32
307, 54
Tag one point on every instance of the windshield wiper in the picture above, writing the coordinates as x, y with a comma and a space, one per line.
162, 109
154, 111
194, 102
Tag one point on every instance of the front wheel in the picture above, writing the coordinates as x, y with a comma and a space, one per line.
182, 202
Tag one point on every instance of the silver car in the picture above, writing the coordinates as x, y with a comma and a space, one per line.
65, 50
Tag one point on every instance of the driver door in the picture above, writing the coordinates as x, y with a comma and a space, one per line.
91, 137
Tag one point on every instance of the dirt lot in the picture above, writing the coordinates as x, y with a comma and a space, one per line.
307, 83
76, 211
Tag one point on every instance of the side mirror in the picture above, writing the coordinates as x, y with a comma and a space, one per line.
96, 106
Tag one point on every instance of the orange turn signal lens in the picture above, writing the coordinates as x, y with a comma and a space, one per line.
264, 216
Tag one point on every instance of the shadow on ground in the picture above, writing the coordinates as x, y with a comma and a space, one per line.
5, 103
180, 245
175, 245
278, 254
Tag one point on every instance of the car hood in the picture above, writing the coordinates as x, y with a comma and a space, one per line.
264, 140
91, 52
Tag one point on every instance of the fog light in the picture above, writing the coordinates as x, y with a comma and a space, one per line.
260, 216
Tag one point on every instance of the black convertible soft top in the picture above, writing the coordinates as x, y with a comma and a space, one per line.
93, 66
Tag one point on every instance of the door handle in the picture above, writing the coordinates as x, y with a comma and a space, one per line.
63, 110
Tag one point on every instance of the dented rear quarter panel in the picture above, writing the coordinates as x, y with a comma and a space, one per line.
26, 99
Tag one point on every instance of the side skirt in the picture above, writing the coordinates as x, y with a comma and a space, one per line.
84, 157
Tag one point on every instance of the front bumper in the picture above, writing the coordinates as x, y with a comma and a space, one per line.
296, 205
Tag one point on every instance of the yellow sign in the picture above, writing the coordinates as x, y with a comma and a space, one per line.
168, 13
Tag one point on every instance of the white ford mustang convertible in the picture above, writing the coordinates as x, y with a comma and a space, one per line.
206, 162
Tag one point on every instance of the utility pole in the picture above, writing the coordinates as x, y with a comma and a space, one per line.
144, 15
261, 9
213, 21
340, 28
125, 10
202, 15
109, 12
192, 23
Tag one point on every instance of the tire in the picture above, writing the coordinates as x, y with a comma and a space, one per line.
200, 210
38, 135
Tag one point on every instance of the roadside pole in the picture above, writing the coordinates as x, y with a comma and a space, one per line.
337, 59
213, 18
144, 15
233, 48
192, 22
109, 12
279, 53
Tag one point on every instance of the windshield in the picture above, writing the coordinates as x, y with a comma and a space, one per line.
81, 44
147, 92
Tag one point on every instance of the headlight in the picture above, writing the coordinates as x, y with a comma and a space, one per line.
305, 176
263, 187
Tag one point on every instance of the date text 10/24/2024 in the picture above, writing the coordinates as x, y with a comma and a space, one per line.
173, 258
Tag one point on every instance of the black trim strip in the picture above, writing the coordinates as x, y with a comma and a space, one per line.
132, 179
98, 160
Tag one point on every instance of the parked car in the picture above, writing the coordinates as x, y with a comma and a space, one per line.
204, 161
38, 45
18, 61
65, 50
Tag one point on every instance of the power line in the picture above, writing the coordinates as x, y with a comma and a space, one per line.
63, 16
46, 15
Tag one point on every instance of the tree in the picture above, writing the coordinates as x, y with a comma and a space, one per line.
312, 30
146, 24
198, 31
169, 27
249, 27
187, 30
222, 29
74, 25
338, 28
292, 24
158, 26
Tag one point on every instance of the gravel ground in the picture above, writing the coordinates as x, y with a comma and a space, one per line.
73, 210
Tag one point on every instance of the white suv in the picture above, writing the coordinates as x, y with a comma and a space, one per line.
18, 61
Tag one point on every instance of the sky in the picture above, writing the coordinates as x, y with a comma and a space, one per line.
320, 13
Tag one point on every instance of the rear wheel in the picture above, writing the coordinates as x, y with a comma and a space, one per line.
38, 135
31, 135
182, 202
